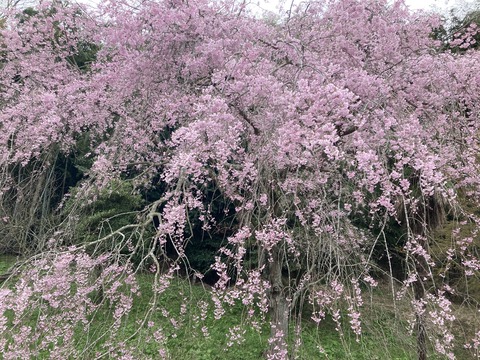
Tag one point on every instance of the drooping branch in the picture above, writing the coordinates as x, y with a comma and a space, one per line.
245, 117
344, 132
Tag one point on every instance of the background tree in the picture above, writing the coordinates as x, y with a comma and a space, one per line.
42, 64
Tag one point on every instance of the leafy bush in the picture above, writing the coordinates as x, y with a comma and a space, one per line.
116, 206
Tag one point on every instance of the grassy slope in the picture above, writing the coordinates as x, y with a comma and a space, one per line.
384, 337
188, 342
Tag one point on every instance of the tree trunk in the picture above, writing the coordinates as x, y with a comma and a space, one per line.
419, 292
420, 324
279, 306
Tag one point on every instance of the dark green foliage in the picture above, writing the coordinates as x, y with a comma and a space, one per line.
388, 251
116, 206
67, 175
204, 244
28, 13
85, 55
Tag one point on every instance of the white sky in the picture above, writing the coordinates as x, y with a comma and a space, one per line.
414, 4
272, 5
438, 5
427, 4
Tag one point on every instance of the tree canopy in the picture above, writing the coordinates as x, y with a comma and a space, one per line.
315, 132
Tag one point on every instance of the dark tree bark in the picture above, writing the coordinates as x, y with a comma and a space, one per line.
279, 305
419, 293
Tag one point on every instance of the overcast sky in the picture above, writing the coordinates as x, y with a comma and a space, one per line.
413, 4
426, 4
442, 4
272, 5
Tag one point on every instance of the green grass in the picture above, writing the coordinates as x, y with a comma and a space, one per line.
384, 330
188, 342
6, 262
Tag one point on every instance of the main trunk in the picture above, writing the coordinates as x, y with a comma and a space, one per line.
279, 308
419, 292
